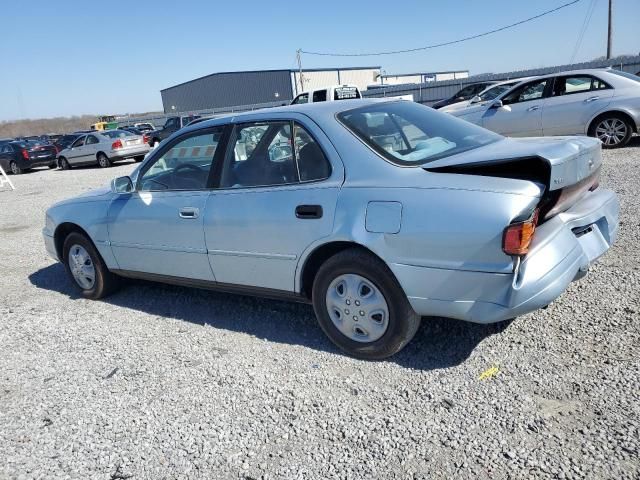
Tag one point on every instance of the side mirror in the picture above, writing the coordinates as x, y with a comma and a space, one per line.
121, 185
497, 104
475, 99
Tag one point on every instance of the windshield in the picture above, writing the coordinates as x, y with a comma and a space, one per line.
493, 92
407, 133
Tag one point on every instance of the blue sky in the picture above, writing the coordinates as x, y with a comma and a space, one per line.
68, 57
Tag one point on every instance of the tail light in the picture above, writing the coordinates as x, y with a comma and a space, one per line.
517, 236
25, 154
116, 145
145, 138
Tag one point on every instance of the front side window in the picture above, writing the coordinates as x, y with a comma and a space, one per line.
267, 154
78, 143
527, 92
171, 123
407, 133
183, 166
300, 99
495, 91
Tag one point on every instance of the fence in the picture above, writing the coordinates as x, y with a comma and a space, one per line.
427, 93
431, 92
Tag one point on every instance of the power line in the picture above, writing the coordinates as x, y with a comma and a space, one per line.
443, 44
583, 30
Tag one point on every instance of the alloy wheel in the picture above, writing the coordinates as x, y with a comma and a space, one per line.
611, 131
14, 168
357, 308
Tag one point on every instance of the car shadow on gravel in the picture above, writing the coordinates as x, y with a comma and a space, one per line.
439, 343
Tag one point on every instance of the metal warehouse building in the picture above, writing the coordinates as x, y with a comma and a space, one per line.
226, 90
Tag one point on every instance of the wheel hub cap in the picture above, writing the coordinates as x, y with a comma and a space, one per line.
82, 268
611, 131
357, 308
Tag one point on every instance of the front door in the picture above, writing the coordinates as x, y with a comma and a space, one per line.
278, 190
574, 101
521, 112
77, 153
157, 229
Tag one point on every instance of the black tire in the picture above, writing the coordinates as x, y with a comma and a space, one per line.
597, 124
403, 322
139, 158
63, 163
103, 160
52, 165
155, 143
105, 282
15, 168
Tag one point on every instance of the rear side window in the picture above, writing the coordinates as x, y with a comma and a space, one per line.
578, 84
346, 93
407, 133
320, 96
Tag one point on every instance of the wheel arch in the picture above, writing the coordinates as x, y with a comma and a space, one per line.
621, 113
320, 254
63, 231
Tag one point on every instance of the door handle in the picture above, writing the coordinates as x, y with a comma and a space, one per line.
591, 99
533, 109
189, 212
309, 211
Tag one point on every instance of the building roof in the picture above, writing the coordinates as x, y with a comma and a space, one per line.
423, 73
288, 70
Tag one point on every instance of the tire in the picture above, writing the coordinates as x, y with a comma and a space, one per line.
15, 168
76, 247
360, 270
103, 160
612, 129
52, 166
63, 163
139, 158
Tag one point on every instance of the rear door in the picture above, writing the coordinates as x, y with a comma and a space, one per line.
278, 190
521, 113
91, 147
573, 102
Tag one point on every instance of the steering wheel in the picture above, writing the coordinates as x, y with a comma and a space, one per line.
187, 166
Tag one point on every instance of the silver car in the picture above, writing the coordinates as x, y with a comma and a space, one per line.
376, 212
103, 148
600, 103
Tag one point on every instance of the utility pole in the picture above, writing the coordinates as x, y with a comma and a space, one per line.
299, 58
609, 30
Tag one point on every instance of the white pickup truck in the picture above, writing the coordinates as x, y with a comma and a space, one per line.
328, 94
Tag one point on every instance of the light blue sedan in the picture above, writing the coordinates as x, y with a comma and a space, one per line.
376, 212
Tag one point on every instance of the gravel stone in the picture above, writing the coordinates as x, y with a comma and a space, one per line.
159, 381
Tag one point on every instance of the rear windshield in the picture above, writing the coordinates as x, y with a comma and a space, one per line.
407, 133
117, 134
345, 93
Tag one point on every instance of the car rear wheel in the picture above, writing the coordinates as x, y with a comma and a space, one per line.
103, 160
155, 143
15, 168
361, 306
614, 131
52, 165
63, 163
86, 268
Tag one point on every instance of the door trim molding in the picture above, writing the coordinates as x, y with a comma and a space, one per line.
234, 253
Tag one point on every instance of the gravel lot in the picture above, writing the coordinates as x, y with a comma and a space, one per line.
165, 382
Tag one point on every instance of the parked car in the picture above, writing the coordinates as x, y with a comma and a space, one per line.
335, 92
375, 212
64, 141
144, 126
103, 148
488, 94
21, 155
172, 125
466, 93
600, 103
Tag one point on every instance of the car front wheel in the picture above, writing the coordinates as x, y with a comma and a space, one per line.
63, 163
361, 307
86, 268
